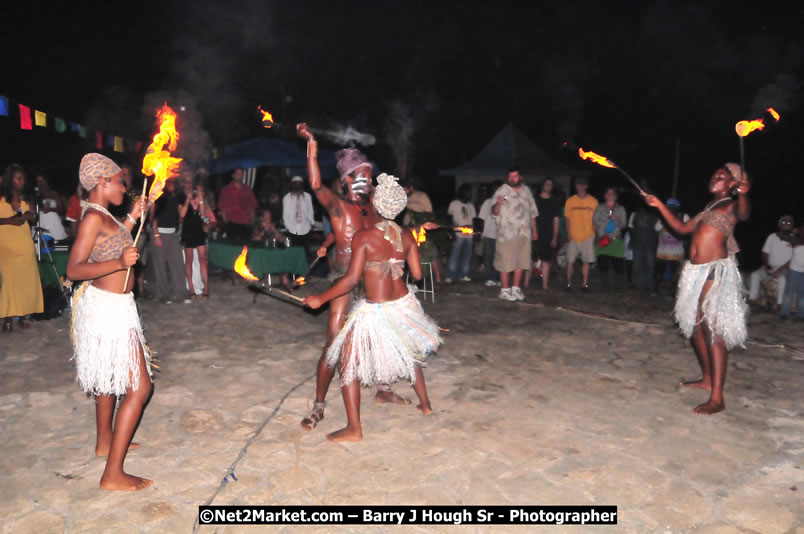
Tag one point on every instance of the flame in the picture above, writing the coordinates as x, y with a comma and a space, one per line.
267, 118
597, 158
774, 114
241, 268
420, 236
744, 128
157, 162
300, 281
465, 229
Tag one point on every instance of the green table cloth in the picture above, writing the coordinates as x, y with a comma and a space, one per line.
46, 273
261, 261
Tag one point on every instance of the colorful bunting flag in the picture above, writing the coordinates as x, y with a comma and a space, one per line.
25, 118
59, 124
109, 140
40, 117
82, 131
214, 153
3, 106
118, 143
74, 127
98, 139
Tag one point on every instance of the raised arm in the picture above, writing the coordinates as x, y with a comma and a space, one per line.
349, 281
679, 227
743, 209
324, 195
78, 268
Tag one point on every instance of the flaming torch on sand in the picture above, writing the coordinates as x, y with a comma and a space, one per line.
242, 269
159, 164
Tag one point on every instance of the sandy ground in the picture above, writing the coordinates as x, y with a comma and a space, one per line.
534, 404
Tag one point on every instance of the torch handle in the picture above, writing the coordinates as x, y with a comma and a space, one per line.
289, 295
139, 231
641, 191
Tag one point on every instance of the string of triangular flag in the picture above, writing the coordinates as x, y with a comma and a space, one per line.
40, 119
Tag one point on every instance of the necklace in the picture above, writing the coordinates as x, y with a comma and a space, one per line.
363, 210
713, 204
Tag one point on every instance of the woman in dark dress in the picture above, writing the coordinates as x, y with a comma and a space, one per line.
196, 220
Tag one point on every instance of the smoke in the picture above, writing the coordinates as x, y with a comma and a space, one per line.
563, 80
401, 125
781, 94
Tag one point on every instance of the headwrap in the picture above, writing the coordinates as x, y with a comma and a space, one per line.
735, 170
348, 160
389, 197
94, 167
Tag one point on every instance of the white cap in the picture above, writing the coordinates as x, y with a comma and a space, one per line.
296, 179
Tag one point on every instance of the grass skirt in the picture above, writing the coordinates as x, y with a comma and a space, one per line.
107, 338
382, 342
724, 308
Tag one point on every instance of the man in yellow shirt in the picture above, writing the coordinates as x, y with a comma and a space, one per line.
578, 212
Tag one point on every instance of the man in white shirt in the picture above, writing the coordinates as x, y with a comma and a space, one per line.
297, 213
489, 238
462, 212
776, 253
795, 277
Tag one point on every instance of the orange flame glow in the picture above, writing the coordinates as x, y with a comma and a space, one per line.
774, 114
241, 268
158, 162
596, 158
420, 236
744, 128
267, 118
464, 229
300, 281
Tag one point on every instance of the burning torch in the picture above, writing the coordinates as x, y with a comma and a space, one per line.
606, 162
743, 128
159, 164
342, 136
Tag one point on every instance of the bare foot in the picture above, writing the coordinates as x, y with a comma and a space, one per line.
124, 482
384, 397
103, 450
346, 434
425, 409
710, 407
697, 384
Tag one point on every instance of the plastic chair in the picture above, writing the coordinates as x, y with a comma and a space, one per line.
425, 286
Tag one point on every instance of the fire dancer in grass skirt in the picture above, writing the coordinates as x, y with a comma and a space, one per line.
710, 305
387, 336
110, 353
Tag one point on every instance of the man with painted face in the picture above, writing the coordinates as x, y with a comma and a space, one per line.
349, 212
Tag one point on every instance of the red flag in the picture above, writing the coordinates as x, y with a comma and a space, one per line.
25, 118
98, 140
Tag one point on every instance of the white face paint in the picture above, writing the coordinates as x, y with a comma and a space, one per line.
361, 185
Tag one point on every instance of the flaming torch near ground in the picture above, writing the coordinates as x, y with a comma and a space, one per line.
606, 162
159, 164
743, 128
242, 269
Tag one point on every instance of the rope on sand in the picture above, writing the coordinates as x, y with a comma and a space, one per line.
252, 439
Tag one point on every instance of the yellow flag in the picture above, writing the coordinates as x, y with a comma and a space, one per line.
118, 144
40, 117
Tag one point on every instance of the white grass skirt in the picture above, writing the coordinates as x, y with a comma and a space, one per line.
724, 308
384, 341
107, 339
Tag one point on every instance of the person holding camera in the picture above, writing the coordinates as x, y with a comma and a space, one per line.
196, 220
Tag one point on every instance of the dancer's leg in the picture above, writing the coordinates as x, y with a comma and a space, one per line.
421, 391
351, 401
128, 416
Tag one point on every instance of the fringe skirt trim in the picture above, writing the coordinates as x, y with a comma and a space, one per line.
382, 342
107, 340
724, 308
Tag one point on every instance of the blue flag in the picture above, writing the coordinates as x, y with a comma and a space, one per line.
3, 106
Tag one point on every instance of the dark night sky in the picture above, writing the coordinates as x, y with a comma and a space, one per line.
624, 79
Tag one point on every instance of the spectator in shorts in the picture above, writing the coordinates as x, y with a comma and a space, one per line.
670, 249
579, 210
516, 212
547, 225
489, 238
776, 253
462, 212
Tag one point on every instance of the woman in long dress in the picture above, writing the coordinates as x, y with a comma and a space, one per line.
20, 286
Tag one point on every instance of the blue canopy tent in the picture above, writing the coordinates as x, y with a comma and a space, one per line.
271, 152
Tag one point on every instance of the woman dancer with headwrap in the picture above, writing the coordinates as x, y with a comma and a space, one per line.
111, 357
710, 306
387, 335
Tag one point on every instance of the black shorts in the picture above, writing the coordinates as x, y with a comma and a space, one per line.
543, 250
